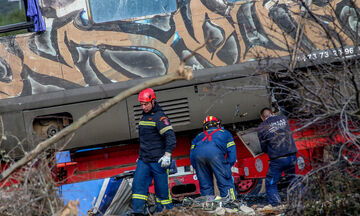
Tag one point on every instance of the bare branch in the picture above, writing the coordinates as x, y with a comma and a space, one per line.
182, 73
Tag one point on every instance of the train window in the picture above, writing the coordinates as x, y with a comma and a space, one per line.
13, 19
111, 10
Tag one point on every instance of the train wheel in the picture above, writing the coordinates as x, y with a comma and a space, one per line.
248, 186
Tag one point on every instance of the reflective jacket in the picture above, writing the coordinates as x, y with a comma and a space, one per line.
276, 137
221, 140
156, 135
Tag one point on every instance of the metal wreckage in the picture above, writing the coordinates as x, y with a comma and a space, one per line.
92, 49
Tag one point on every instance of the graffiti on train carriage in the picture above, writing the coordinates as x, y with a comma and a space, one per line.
92, 42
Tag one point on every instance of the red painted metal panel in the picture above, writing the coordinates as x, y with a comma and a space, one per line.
111, 161
254, 167
107, 162
97, 164
184, 180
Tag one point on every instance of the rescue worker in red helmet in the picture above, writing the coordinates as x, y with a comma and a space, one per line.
207, 156
157, 141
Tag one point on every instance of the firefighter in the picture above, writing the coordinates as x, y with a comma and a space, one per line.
157, 141
277, 141
207, 156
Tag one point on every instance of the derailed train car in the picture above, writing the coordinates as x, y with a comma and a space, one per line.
93, 49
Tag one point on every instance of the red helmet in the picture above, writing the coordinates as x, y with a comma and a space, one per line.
210, 121
146, 95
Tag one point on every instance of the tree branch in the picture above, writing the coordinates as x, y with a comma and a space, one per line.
182, 73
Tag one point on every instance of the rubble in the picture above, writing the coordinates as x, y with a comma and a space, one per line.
221, 211
210, 205
270, 210
247, 210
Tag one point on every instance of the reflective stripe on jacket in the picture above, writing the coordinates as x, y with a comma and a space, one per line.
156, 135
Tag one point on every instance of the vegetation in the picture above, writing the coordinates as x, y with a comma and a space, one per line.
37, 194
331, 190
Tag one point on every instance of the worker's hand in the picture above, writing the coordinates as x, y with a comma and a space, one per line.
165, 160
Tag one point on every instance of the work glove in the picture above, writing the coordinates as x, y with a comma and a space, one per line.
165, 160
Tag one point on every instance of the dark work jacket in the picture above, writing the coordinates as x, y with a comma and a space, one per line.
156, 135
276, 137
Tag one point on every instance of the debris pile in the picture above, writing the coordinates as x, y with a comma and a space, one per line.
210, 205
331, 190
31, 191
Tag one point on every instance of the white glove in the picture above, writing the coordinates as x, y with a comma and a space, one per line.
165, 160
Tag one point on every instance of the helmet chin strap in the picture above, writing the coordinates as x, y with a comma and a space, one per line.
152, 105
